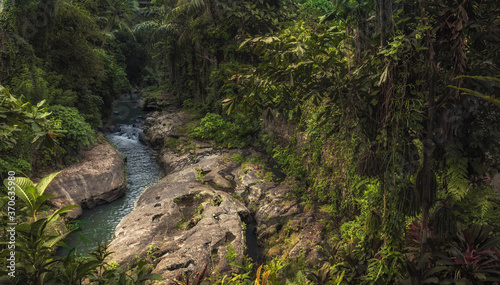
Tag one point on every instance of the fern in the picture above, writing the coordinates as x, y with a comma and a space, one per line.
484, 199
457, 171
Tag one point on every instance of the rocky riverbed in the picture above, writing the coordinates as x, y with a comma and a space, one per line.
198, 212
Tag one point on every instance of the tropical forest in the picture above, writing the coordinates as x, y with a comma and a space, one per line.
229, 142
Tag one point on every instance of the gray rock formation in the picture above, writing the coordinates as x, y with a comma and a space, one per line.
279, 215
98, 178
190, 224
495, 182
193, 216
163, 125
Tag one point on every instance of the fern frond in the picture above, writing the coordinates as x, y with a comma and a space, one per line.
484, 196
457, 171
478, 94
168, 29
482, 78
444, 220
156, 30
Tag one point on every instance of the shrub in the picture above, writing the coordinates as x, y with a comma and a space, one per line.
90, 105
78, 132
228, 132
37, 241
231, 254
237, 158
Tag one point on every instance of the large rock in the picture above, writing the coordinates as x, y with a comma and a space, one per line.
193, 216
98, 178
160, 126
190, 225
166, 132
282, 223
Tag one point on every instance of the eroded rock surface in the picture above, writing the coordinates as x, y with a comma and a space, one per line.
283, 226
190, 224
98, 178
193, 216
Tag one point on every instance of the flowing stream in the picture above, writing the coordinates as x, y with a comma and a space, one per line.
99, 223
142, 170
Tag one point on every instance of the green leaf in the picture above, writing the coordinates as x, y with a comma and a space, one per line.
41, 186
269, 40
435, 269
490, 243
457, 171
35, 127
24, 227
22, 186
477, 94
383, 76
243, 43
42, 199
35, 139
40, 104
153, 276
20, 182
43, 115
483, 78
61, 211
433, 280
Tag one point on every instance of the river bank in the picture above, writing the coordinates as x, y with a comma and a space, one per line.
213, 207
137, 165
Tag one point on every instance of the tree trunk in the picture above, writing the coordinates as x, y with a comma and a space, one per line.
428, 143
382, 20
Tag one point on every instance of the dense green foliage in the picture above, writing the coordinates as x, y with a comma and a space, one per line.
74, 56
37, 236
26, 131
384, 113
361, 105
79, 132
234, 132
193, 41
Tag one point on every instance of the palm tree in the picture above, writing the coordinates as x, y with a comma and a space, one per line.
119, 15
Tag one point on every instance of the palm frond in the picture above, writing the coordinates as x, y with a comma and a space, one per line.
185, 38
187, 8
146, 27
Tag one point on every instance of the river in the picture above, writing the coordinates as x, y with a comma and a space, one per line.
142, 170
98, 224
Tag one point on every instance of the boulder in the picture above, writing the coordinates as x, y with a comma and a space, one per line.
193, 217
98, 178
190, 224
163, 125
282, 217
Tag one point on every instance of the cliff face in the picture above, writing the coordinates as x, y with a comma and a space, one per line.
98, 178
